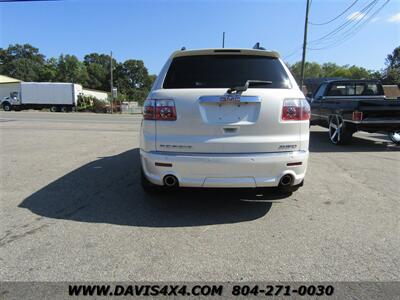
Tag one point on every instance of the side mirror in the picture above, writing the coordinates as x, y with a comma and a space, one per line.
309, 95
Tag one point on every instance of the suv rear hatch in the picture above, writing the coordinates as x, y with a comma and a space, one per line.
210, 120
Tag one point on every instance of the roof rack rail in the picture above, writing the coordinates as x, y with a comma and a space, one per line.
183, 48
258, 47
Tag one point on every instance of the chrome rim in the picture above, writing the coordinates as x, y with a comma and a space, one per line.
335, 129
395, 136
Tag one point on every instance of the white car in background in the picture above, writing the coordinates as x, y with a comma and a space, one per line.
225, 118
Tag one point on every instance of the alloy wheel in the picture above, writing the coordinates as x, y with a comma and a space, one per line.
395, 137
335, 129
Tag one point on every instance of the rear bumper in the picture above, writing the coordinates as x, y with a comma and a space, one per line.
224, 170
377, 124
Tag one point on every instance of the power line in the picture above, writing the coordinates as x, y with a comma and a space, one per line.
362, 22
338, 16
292, 53
352, 30
338, 29
353, 26
348, 27
333, 32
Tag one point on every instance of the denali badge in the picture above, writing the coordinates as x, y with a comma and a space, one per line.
176, 146
287, 147
230, 99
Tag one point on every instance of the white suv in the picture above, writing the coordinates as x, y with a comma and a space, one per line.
225, 118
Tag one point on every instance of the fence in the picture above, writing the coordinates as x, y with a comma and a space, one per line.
131, 108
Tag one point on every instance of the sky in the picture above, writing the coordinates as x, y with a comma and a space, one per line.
151, 30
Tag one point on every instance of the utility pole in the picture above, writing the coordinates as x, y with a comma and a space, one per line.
303, 60
223, 39
111, 82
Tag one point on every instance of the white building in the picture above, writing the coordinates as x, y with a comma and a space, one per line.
100, 95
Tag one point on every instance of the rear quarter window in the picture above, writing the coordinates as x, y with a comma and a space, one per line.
224, 71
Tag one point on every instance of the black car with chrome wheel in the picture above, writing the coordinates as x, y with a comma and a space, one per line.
347, 106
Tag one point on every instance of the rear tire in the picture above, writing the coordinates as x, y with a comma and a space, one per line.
53, 108
7, 106
63, 109
395, 137
338, 134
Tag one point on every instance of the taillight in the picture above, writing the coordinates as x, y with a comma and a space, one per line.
295, 110
165, 110
160, 109
149, 110
357, 116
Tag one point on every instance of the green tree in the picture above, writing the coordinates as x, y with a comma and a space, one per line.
393, 59
49, 71
339, 72
359, 73
25, 62
98, 68
329, 69
149, 81
22, 61
391, 75
376, 75
137, 95
133, 79
98, 77
315, 70
311, 69
70, 69
18, 51
132, 74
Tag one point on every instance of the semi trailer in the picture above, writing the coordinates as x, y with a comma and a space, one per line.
38, 95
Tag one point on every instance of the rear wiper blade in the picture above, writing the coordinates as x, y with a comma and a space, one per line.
246, 86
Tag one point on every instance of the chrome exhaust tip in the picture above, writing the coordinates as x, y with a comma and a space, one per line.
170, 181
286, 180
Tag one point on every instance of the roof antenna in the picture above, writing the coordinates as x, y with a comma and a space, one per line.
258, 47
223, 39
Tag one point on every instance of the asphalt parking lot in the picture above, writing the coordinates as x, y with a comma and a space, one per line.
72, 209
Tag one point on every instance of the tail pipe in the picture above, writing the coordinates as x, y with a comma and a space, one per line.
286, 181
170, 181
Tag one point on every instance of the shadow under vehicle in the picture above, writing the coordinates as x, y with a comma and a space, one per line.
108, 191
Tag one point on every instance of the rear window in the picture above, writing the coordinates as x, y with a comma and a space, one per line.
224, 71
355, 89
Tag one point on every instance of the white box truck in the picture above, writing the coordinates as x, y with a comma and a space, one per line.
38, 95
